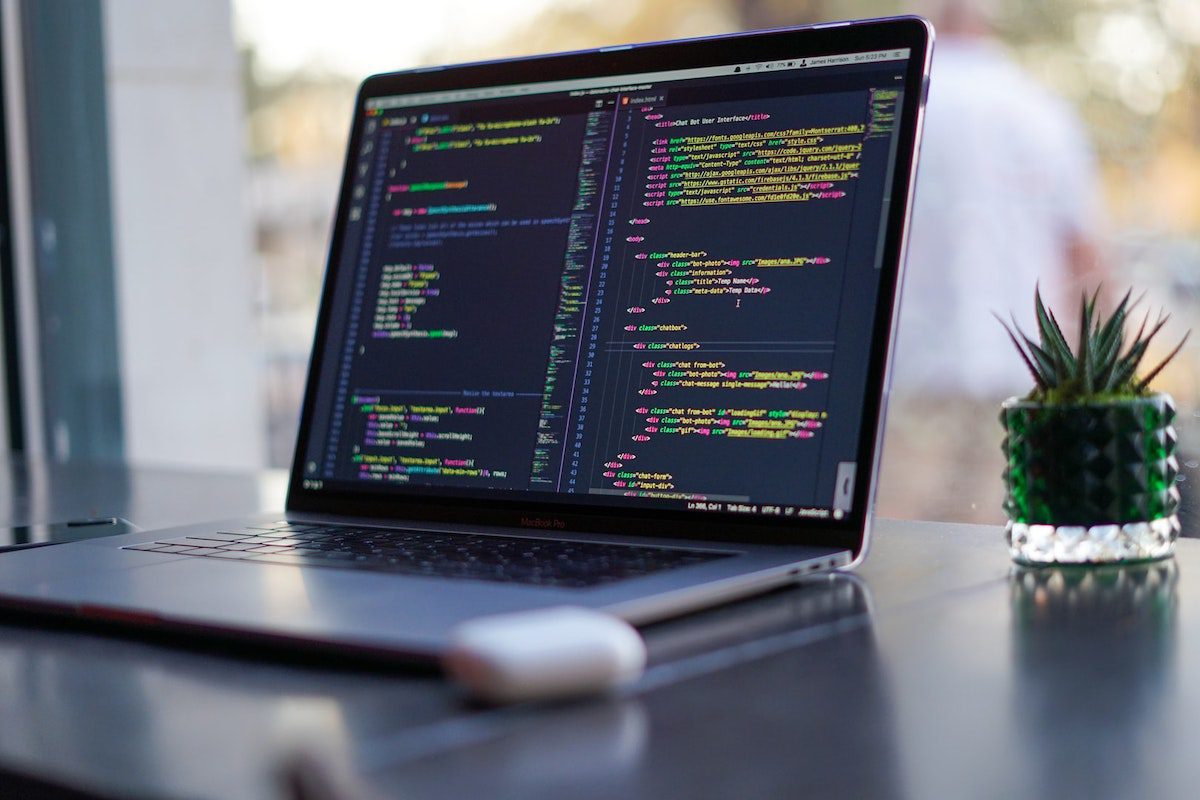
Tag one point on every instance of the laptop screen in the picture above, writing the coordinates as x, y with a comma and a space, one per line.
654, 290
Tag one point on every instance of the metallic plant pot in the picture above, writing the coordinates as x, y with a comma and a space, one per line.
1090, 483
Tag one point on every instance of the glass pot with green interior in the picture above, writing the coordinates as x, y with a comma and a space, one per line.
1090, 452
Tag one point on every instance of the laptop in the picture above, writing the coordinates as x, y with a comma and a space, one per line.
605, 329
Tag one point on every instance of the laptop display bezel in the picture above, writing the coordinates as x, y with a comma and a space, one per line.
801, 42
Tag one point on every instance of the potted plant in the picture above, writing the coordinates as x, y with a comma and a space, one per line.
1090, 451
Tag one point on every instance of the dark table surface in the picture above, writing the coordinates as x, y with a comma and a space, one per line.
937, 671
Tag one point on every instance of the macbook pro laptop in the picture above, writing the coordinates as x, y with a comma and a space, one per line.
606, 329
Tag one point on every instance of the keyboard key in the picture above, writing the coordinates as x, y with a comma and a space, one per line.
286, 542
218, 537
292, 559
331, 555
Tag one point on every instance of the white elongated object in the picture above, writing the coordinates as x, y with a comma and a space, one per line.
538, 655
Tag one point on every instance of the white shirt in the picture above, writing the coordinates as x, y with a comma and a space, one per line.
1006, 181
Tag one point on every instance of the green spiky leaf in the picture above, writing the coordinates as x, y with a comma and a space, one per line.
1101, 366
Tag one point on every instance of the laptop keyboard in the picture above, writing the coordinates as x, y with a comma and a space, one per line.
503, 559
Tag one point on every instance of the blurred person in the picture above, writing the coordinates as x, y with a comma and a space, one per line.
1007, 198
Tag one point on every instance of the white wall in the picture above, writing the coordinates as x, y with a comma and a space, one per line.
185, 289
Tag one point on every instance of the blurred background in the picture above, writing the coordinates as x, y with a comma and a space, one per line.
183, 165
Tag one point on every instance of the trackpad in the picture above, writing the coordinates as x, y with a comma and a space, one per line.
327, 604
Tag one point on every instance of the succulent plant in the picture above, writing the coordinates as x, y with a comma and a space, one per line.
1100, 367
